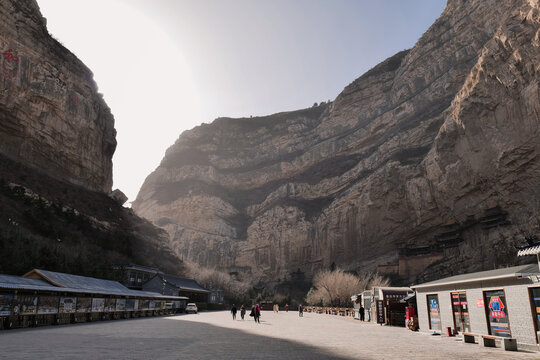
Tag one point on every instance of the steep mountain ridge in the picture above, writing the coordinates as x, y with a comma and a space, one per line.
397, 173
57, 139
52, 117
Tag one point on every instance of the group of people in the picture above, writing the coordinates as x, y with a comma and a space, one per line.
255, 312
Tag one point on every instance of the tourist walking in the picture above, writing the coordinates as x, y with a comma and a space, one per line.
362, 313
286, 307
256, 313
242, 311
300, 311
233, 312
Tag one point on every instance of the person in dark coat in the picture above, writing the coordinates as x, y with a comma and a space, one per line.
242, 311
300, 310
256, 313
233, 312
362, 313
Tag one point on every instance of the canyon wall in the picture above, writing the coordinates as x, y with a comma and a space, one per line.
57, 139
426, 165
52, 117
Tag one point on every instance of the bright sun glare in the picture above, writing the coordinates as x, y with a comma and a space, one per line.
142, 74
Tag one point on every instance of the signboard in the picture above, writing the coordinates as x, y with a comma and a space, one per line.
5, 304
48, 305
479, 303
67, 304
98, 304
84, 304
393, 296
497, 307
380, 312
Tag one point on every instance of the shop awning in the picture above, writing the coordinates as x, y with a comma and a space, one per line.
497, 274
408, 298
529, 250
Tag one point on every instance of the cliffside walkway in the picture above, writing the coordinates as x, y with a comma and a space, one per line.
214, 335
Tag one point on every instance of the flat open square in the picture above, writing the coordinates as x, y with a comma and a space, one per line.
214, 335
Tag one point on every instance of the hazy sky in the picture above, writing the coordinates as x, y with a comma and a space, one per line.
165, 66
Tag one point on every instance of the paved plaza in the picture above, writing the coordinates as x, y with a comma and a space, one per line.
214, 335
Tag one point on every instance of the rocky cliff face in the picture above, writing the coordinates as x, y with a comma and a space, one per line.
431, 157
57, 139
51, 115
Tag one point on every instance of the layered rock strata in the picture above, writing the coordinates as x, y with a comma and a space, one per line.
57, 139
444, 133
52, 117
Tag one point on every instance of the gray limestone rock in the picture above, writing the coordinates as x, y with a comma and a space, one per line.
430, 158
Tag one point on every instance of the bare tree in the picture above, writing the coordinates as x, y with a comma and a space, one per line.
378, 280
335, 288
215, 279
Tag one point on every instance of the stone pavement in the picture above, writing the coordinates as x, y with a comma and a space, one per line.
214, 335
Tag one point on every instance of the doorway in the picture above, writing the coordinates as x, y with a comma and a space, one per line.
460, 310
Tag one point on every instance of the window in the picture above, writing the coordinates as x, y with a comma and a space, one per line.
497, 313
434, 312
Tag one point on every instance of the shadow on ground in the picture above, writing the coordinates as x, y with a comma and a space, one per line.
155, 338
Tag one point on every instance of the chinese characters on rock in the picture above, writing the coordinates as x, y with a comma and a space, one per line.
10, 65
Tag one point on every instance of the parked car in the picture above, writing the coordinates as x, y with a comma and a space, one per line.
191, 307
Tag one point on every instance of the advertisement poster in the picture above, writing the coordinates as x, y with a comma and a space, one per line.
48, 305
497, 313
84, 304
434, 312
67, 304
25, 305
120, 304
98, 304
110, 304
152, 305
5, 304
